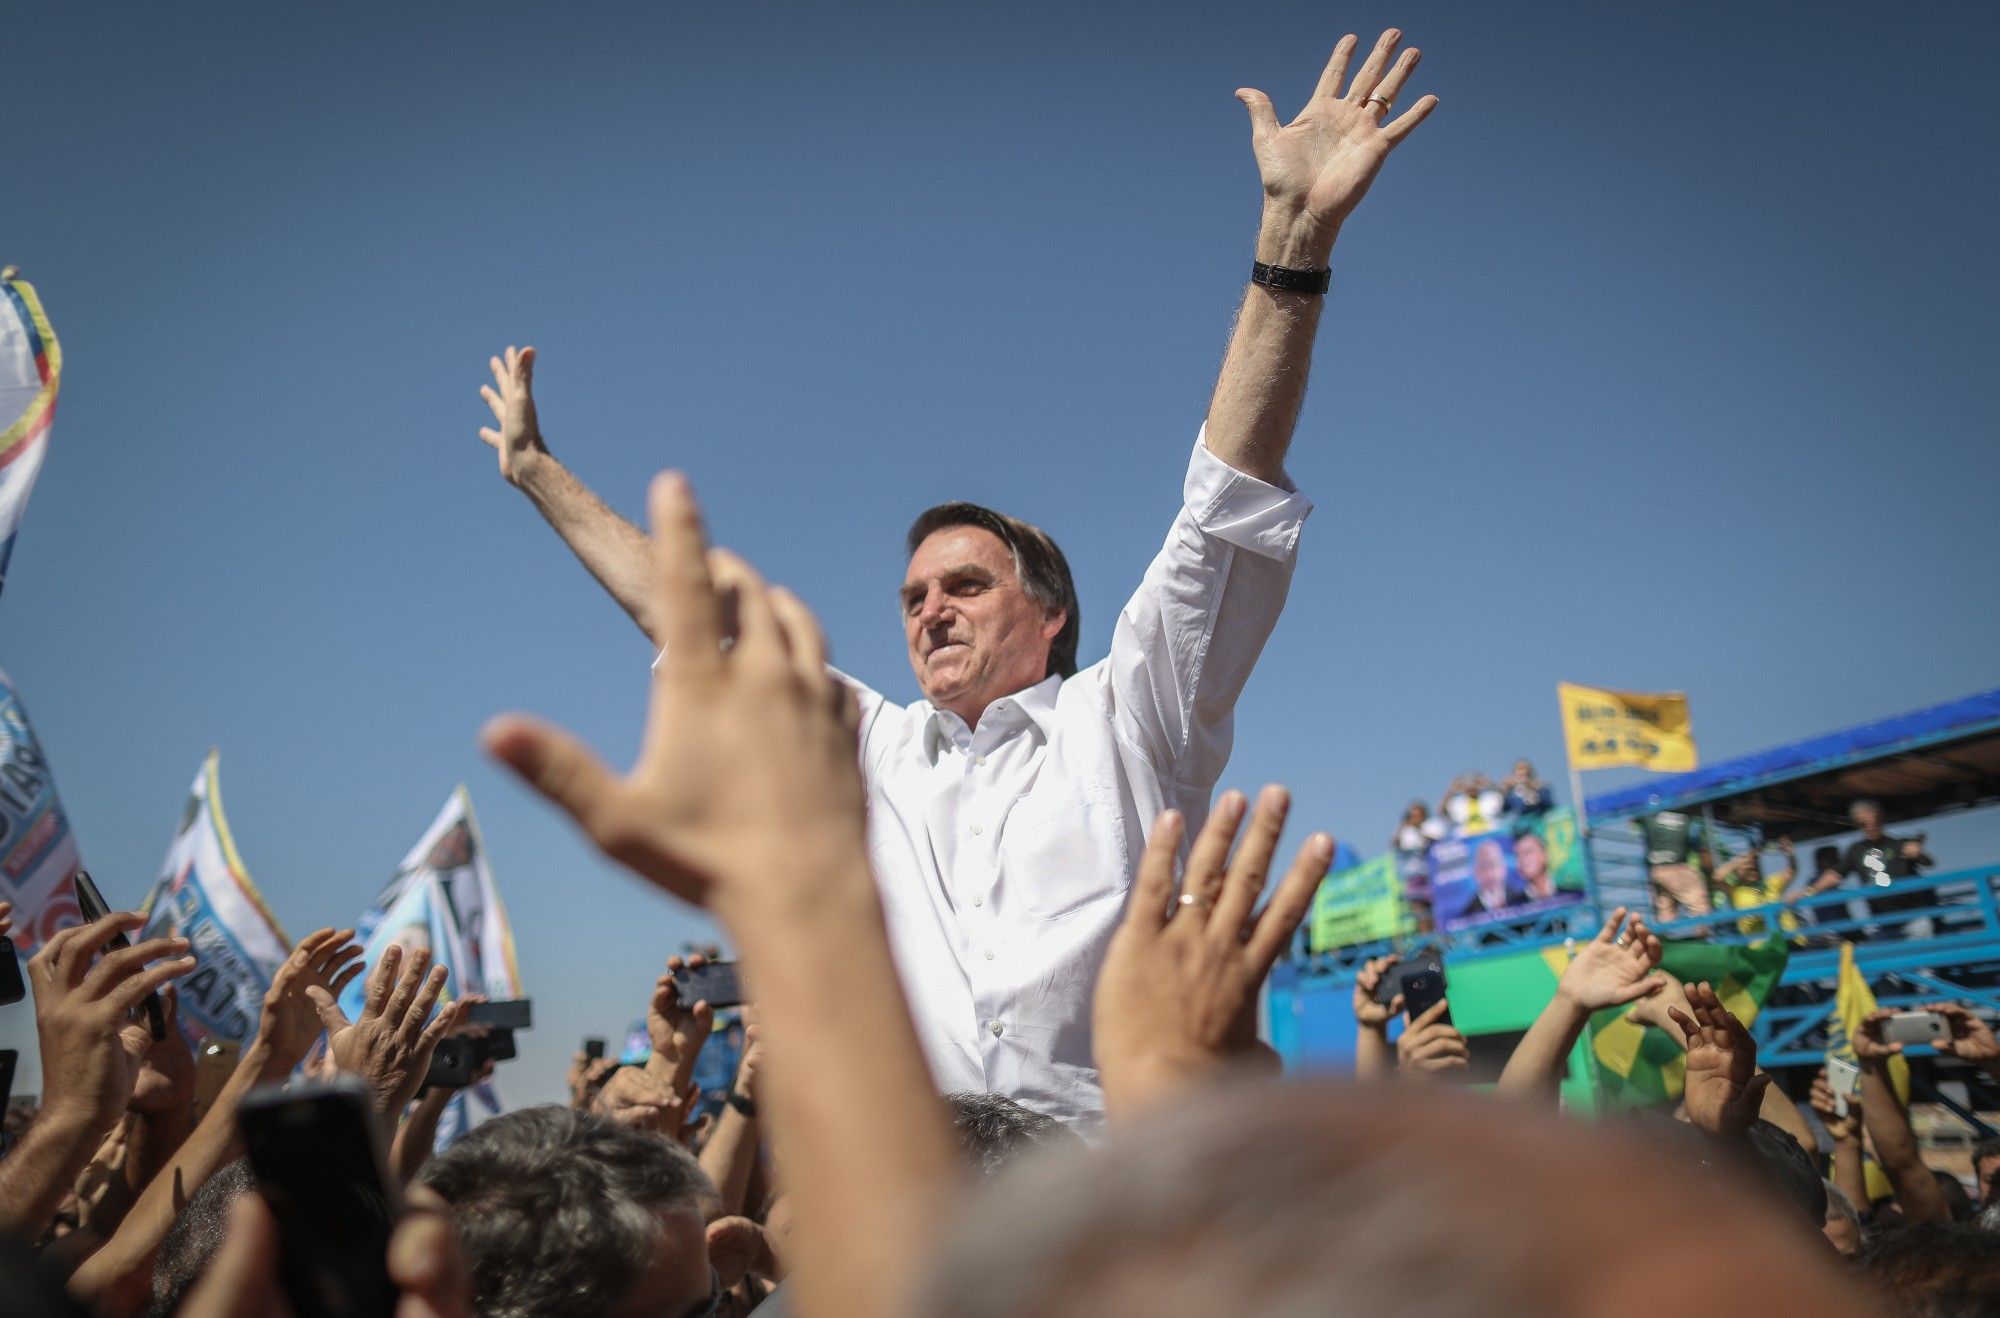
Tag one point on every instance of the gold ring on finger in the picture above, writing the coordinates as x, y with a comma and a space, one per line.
1383, 101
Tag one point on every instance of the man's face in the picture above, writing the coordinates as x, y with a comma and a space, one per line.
1988, 1172
1489, 869
1530, 858
1868, 819
974, 634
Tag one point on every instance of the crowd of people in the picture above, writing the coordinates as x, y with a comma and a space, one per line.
1472, 806
1004, 948
1692, 875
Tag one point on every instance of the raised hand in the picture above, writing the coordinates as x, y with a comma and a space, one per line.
518, 440
1430, 1048
326, 959
1368, 1013
586, 1076
1870, 1048
677, 1030
1724, 1088
635, 1097
1618, 966
1178, 992
1972, 1039
390, 1046
91, 1047
1319, 166
694, 816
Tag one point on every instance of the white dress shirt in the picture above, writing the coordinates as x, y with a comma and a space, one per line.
1004, 853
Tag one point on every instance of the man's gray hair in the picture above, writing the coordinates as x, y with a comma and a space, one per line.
1315, 1200
993, 1130
559, 1211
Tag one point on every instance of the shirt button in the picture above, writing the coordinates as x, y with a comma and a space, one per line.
997, 1028
989, 954
975, 830
979, 901
979, 759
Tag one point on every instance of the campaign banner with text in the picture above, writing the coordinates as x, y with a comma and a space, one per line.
205, 895
37, 850
1360, 904
1607, 728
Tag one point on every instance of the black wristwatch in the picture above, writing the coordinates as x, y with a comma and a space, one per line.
1286, 279
743, 1103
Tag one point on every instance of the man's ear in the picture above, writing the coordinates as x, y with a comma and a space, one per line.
1053, 622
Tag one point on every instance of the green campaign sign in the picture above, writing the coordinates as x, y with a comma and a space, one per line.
1359, 905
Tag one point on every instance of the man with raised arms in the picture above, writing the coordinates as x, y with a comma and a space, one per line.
1009, 806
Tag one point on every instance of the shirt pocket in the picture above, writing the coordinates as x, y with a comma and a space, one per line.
1063, 851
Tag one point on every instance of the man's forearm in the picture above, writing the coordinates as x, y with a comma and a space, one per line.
115, 1279
417, 1135
616, 552
1263, 381
1896, 1147
1374, 1057
831, 1008
1539, 1061
1848, 1174
40, 1171
729, 1157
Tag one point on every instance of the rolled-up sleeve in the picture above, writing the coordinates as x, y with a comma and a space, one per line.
1186, 641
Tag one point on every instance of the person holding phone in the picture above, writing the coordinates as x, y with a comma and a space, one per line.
1009, 803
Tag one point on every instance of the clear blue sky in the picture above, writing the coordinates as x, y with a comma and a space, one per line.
1661, 356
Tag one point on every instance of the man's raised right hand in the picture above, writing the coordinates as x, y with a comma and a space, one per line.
518, 441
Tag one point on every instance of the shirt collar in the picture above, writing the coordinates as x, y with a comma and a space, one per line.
1032, 705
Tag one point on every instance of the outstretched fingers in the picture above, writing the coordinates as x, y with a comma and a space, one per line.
1208, 862
1406, 123
1377, 64
1251, 865
1335, 72
1153, 888
1288, 906
554, 763
692, 626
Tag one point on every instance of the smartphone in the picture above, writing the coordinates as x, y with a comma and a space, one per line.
453, 1064
317, 1155
716, 983
9, 1059
513, 1014
593, 1049
1844, 1079
1908, 1027
91, 902
496, 1047
12, 987
1421, 991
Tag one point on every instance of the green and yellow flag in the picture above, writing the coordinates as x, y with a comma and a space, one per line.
1639, 1065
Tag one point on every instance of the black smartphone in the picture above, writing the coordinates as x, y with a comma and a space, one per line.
593, 1049
453, 1064
12, 987
716, 983
513, 1014
9, 1059
496, 1047
318, 1159
91, 902
1421, 991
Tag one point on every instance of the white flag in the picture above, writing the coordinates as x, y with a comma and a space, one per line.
30, 371
37, 850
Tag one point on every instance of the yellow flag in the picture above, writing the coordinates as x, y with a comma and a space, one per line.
1606, 728
1853, 1000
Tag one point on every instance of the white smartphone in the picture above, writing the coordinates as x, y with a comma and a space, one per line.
1908, 1027
1844, 1079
